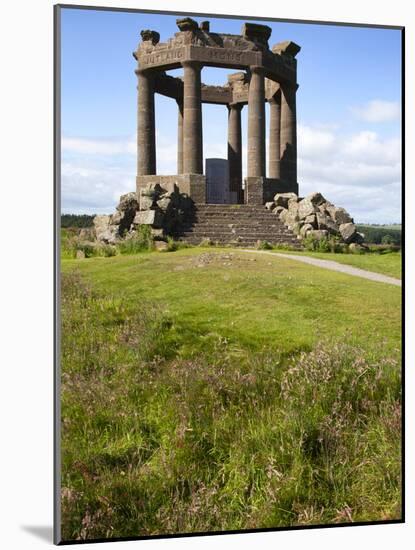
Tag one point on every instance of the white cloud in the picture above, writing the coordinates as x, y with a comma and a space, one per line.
88, 188
378, 110
315, 141
109, 146
360, 171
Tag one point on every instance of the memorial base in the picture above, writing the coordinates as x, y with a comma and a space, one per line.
259, 190
193, 185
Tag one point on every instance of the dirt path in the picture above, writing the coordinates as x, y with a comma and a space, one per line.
334, 266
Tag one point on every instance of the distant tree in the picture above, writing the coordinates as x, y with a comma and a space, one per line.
388, 239
374, 234
76, 220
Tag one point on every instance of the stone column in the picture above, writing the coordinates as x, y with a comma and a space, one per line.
256, 123
288, 156
235, 150
192, 119
180, 136
146, 133
274, 136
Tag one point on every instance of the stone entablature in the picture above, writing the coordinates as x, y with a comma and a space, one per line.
219, 50
235, 91
265, 75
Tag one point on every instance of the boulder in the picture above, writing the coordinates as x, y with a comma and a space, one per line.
312, 221
281, 199
316, 198
125, 211
149, 217
339, 215
160, 245
278, 209
128, 202
305, 229
105, 231
323, 209
101, 222
270, 205
306, 208
296, 227
87, 234
149, 195
293, 205
146, 202
164, 203
157, 234
116, 218
80, 254
359, 238
283, 214
290, 218
325, 222
348, 232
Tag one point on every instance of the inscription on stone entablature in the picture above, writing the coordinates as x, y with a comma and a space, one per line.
224, 56
163, 57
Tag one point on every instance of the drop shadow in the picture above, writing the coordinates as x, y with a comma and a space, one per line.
43, 532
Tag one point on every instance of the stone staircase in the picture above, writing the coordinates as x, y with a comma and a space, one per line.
236, 224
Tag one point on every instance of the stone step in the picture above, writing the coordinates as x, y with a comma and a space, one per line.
243, 225
245, 243
239, 229
225, 238
235, 220
240, 223
243, 230
260, 236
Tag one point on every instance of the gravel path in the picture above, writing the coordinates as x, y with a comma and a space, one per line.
334, 266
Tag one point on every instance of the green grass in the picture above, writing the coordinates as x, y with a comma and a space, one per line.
212, 390
389, 263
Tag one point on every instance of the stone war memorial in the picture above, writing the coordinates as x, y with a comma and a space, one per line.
221, 205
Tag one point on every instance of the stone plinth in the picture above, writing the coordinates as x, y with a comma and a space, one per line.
194, 185
262, 190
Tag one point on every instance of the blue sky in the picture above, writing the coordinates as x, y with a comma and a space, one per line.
348, 109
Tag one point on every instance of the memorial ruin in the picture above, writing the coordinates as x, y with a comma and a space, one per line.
264, 75
189, 205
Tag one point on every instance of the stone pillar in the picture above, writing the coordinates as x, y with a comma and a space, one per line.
235, 150
146, 133
180, 136
256, 123
274, 136
192, 119
288, 155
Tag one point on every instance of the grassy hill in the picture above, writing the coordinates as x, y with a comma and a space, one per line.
214, 390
